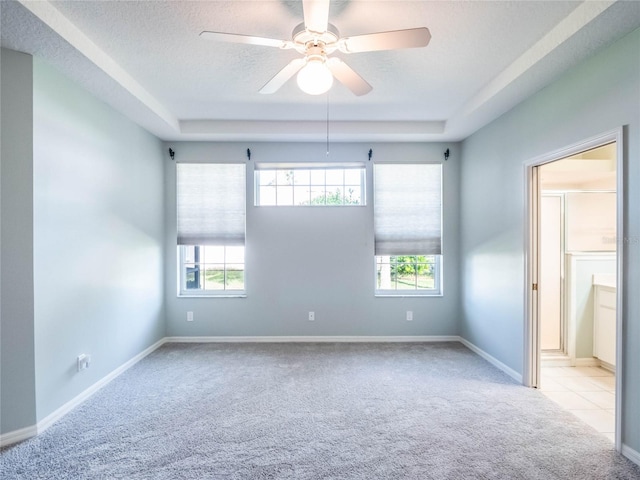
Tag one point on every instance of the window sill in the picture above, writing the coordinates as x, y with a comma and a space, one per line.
407, 295
204, 295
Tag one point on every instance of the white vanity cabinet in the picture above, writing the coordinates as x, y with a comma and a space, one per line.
604, 321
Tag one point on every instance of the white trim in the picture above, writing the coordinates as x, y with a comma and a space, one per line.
42, 425
183, 292
565, 361
556, 38
62, 26
315, 339
619, 137
630, 453
607, 366
33, 430
588, 144
531, 334
531, 353
437, 291
77, 400
16, 436
492, 360
587, 362
263, 166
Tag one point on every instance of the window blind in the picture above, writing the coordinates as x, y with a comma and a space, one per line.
408, 209
211, 203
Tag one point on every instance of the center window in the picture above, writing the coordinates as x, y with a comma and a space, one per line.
310, 185
407, 222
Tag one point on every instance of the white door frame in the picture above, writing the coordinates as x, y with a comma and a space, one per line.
531, 373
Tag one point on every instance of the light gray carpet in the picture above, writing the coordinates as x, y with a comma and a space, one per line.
316, 411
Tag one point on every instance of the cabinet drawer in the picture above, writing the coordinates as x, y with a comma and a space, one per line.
606, 298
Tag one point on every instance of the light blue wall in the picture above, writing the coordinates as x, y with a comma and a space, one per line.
302, 259
597, 96
98, 216
17, 369
88, 226
105, 229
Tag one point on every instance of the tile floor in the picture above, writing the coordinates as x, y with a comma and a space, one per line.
587, 392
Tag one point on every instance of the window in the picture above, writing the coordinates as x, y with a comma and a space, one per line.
310, 185
212, 268
408, 228
211, 201
407, 272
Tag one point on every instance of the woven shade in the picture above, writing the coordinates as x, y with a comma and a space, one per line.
211, 203
408, 209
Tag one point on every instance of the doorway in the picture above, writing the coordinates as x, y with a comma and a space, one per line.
573, 272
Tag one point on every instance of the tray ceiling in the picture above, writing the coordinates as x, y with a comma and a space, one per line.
146, 59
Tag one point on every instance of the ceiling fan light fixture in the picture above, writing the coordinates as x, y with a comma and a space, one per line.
316, 39
315, 78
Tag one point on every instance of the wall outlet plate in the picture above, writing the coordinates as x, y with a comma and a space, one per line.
189, 316
312, 316
83, 361
409, 315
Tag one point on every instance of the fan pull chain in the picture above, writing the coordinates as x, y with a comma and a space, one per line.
327, 124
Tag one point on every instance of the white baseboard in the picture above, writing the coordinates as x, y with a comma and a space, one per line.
607, 366
314, 339
74, 402
587, 362
631, 454
492, 360
18, 435
33, 430
566, 361
42, 425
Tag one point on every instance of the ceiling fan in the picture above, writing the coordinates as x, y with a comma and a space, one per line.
316, 39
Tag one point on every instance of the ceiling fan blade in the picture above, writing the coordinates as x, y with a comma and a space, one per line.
316, 15
410, 38
246, 39
348, 77
280, 78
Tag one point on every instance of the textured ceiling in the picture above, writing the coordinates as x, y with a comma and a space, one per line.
147, 60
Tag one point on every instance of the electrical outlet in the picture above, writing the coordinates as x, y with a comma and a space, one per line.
312, 316
83, 361
189, 316
409, 316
